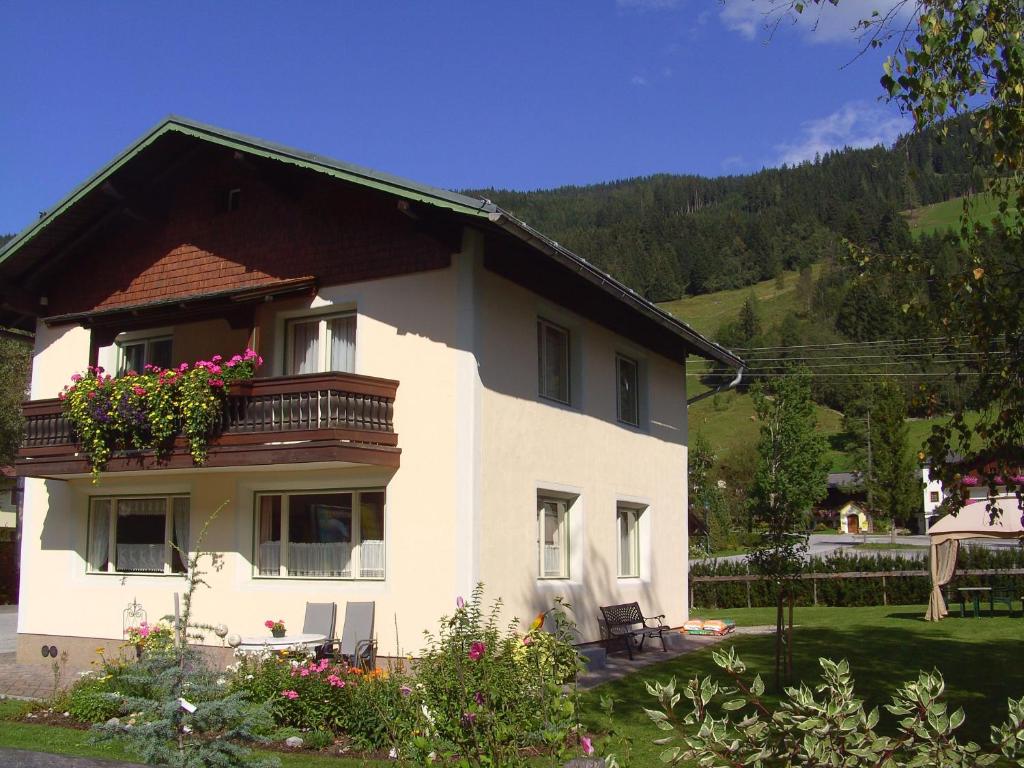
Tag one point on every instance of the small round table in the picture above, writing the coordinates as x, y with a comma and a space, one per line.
286, 643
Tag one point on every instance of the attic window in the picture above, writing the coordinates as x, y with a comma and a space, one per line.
234, 199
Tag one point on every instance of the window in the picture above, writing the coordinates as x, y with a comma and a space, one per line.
553, 361
934, 496
553, 538
318, 344
136, 354
138, 534
628, 524
336, 534
628, 376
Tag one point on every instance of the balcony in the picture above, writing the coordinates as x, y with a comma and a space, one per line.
319, 417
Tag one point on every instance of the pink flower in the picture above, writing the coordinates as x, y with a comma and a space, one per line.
335, 681
588, 747
139, 390
459, 602
290, 694
477, 650
268, 624
216, 382
216, 358
405, 690
304, 672
76, 378
527, 640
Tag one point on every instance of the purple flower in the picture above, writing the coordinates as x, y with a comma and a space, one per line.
468, 718
405, 690
478, 697
477, 650
459, 602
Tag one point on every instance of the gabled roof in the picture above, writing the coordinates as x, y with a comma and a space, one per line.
54, 229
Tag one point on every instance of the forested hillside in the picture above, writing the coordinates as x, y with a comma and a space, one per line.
667, 236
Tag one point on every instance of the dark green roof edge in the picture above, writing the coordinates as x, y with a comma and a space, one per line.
367, 177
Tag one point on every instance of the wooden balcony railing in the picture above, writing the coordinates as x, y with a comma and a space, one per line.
285, 420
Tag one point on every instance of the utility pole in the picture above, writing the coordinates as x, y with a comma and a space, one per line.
871, 507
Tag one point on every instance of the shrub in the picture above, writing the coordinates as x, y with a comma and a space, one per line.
308, 694
826, 725
92, 700
483, 695
318, 739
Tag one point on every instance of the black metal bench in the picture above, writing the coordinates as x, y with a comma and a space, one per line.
628, 622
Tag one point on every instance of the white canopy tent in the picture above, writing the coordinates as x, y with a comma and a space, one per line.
971, 522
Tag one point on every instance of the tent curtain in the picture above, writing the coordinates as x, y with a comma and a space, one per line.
943, 563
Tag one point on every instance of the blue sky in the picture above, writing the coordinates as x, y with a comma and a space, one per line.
520, 95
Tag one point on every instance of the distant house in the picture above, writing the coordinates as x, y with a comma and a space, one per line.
448, 397
853, 517
843, 487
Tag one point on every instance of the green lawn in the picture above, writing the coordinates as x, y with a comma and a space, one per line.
708, 311
885, 645
945, 216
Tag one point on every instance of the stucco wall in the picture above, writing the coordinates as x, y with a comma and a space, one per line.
528, 445
405, 331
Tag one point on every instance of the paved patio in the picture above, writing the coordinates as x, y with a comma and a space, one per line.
24, 681
619, 665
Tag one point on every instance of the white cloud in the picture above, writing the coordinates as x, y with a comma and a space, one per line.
638, 80
856, 124
819, 23
648, 5
733, 163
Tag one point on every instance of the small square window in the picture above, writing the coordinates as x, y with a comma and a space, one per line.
934, 497
628, 524
135, 355
553, 538
628, 377
553, 361
319, 344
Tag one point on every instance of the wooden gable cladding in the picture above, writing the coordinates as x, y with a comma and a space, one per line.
178, 239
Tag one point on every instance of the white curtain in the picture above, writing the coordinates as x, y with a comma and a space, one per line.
319, 559
270, 558
305, 337
99, 535
371, 559
343, 344
140, 557
181, 524
552, 560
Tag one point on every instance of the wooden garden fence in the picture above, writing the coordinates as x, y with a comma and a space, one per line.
749, 578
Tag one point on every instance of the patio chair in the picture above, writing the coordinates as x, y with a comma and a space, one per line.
320, 619
356, 646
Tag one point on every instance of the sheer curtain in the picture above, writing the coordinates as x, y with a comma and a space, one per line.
270, 548
133, 552
99, 535
332, 558
343, 343
305, 339
181, 525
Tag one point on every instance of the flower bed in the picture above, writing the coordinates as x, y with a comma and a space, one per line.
147, 410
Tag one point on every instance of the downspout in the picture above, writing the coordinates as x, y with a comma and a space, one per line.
720, 388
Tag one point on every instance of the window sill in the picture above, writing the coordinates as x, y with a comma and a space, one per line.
556, 402
147, 574
359, 579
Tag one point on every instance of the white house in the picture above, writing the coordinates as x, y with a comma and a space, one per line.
448, 398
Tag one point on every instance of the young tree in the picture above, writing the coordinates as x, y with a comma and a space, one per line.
14, 363
893, 484
792, 474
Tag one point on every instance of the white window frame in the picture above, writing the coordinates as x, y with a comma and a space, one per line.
542, 359
112, 533
623, 418
562, 507
146, 342
634, 515
323, 321
357, 540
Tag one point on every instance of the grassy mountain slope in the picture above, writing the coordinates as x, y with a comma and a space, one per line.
707, 312
945, 216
